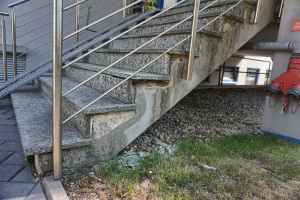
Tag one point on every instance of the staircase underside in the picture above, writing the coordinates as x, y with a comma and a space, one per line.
114, 122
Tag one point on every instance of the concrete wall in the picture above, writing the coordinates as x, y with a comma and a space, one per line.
243, 63
286, 124
30, 11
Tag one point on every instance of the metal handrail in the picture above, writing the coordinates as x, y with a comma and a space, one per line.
129, 77
17, 3
74, 4
100, 20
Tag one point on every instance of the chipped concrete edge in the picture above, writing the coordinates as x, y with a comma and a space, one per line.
53, 189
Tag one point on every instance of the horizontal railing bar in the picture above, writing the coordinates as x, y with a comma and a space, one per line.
33, 10
33, 20
4, 14
100, 20
74, 4
90, 104
17, 3
120, 35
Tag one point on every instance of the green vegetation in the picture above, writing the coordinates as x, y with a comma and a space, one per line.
150, 4
237, 167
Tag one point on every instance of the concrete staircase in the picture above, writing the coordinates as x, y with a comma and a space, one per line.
116, 120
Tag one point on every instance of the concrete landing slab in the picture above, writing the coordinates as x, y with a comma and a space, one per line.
34, 118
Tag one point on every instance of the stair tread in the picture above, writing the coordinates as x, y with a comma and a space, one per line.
171, 32
85, 95
34, 118
123, 73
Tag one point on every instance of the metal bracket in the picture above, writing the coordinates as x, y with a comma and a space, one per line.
182, 71
44, 162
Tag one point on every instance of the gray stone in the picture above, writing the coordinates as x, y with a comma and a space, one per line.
16, 191
7, 122
7, 172
54, 189
34, 117
17, 158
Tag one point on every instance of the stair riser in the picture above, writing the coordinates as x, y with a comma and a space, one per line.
238, 11
215, 26
133, 62
101, 83
80, 122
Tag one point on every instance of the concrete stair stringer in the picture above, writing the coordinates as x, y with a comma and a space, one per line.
155, 100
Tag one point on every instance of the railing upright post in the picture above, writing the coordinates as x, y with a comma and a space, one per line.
124, 11
57, 86
3, 31
77, 21
257, 12
14, 42
193, 39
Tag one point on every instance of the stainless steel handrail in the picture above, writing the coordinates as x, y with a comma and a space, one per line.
17, 3
257, 12
74, 4
4, 14
90, 104
100, 20
280, 8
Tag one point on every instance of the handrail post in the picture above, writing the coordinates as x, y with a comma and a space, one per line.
124, 11
4, 47
77, 21
193, 39
57, 86
257, 12
14, 42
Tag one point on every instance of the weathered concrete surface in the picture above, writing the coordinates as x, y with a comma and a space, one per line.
54, 189
154, 100
286, 124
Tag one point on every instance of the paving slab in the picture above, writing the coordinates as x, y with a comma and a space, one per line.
17, 158
8, 129
4, 155
24, 176
15, 191
7, 136
14, 146
36, 194
8, 172
6, 116
7, 122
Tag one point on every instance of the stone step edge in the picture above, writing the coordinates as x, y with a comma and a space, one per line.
89, 111
20, 99
147, 51
249, 2
204, 16
173, 32
121, 73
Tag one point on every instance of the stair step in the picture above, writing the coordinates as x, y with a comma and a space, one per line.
180, 14
122, 73
166, 41
80, 98
34, 118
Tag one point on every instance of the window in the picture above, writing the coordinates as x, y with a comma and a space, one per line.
229, 74
252, 76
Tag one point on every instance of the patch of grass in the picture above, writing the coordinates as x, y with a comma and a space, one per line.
245, 166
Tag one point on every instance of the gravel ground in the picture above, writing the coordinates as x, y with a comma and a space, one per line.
201, 114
